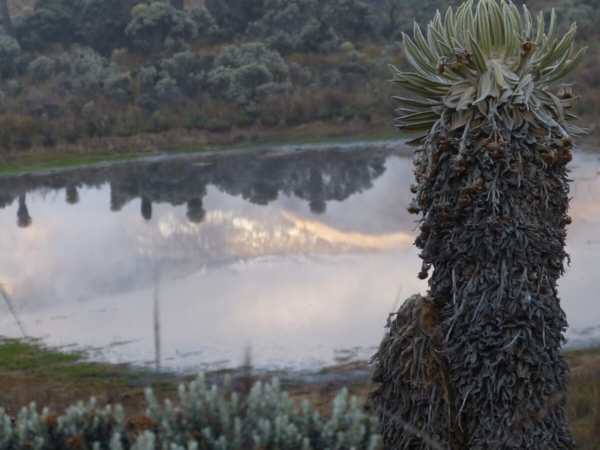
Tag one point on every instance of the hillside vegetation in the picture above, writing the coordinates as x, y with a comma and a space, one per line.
77, 70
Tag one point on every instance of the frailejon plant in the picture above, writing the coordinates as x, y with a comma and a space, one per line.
209, 417
477, 362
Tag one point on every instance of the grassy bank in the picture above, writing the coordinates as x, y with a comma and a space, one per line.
116, 149
34, 162
56, 379
182, 141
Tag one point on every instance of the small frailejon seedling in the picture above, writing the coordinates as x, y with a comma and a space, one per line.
477, 362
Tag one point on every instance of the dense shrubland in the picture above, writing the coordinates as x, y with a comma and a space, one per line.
73, 69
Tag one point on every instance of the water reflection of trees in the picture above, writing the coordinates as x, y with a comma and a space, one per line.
23, 217
314, 176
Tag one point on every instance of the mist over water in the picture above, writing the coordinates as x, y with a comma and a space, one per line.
300, 255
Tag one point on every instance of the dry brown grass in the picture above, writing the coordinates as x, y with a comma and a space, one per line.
71, 382
583, 402
19, 389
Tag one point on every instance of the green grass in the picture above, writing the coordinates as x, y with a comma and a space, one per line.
34, 162
29, 162
29, 355
33, 359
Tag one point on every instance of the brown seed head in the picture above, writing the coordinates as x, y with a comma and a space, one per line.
478, 187
458, 163
465, 201
444, 145
139, 424
549, 158
413, 209
564, 156
567, 94
51, 419
74, 443
567, 141
527, 47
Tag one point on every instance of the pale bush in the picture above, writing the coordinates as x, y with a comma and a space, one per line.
184, 68
86, 69
118, 86
138, 9
301, 76
160, 25
250, 75
207, 25
212, 417
147, 77
347, 47
9, 50
87, 110
12, 87
166, 89
41, 68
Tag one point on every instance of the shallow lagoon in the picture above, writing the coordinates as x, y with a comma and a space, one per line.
296, 253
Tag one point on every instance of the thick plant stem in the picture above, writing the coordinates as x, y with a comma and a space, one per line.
494, 231
494, 280
492, 189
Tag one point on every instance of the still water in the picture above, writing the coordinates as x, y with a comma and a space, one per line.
298, 254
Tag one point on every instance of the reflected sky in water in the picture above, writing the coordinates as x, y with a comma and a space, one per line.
300, 255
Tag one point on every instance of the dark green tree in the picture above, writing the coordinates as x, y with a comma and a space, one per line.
146, 208
159, 26
195, 210
23, 217
72, 195
249, 75
9, 52
353, 20
234, 16
186, 69
51, 21
296, 25
102, 24
6, 19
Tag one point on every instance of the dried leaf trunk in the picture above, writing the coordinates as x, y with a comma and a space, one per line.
492, 372
492, 188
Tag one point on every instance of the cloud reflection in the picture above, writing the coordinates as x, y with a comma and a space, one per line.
246, 252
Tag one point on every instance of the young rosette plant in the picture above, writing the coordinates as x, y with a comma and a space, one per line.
477, 362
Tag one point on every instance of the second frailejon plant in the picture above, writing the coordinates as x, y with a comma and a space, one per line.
477, 362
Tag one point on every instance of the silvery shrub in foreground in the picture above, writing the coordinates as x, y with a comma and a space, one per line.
477, 363
208, 417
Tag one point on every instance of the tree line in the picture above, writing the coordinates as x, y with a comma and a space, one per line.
309, 176
72, 69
